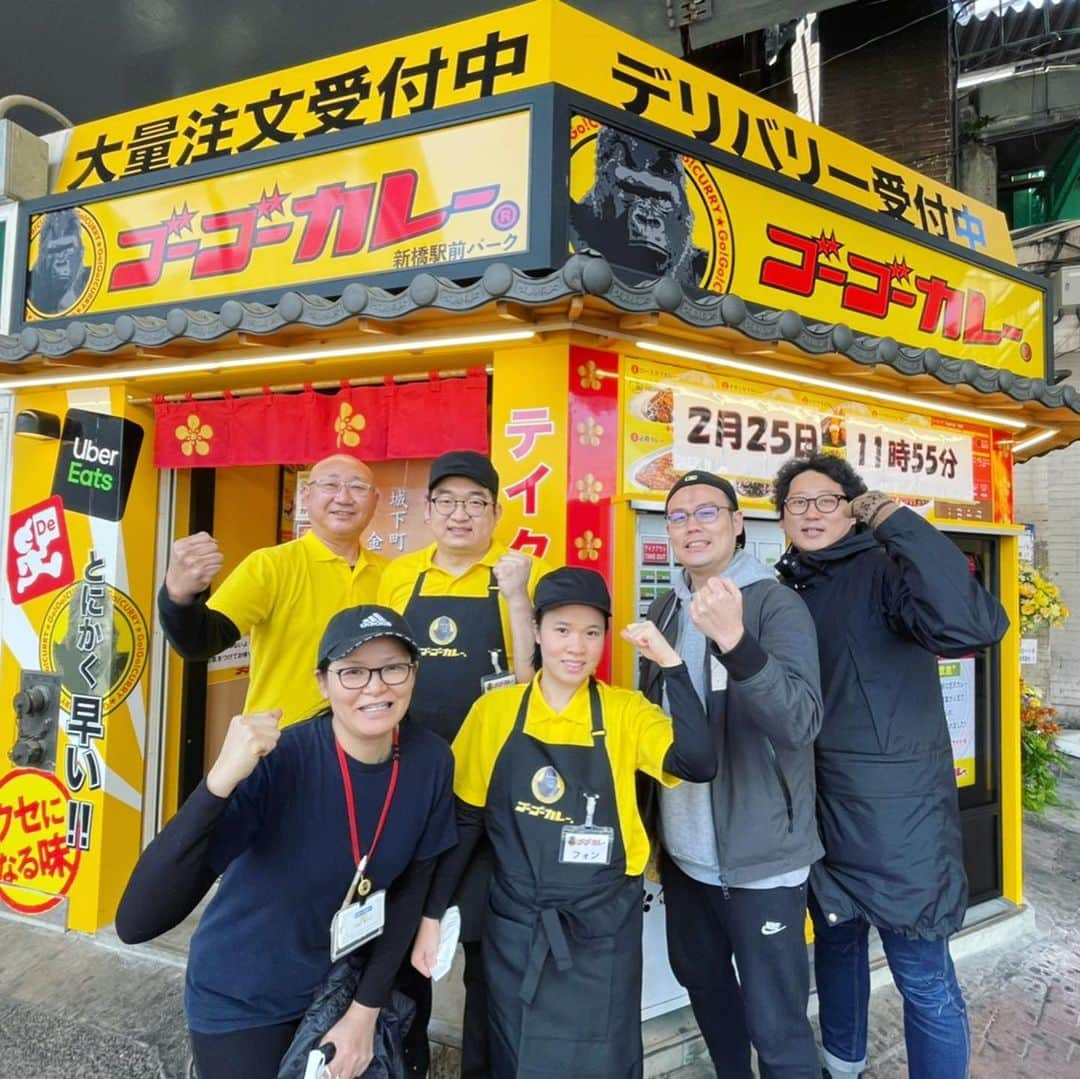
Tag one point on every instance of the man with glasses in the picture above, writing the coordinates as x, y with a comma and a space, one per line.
468, 600
889, 595
282, 596
736, 852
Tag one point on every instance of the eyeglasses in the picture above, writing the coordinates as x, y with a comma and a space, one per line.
391, 674
356, 488
797, 505
702, 514
446, 504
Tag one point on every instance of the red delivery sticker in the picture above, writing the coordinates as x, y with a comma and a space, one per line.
39, 552
654, 553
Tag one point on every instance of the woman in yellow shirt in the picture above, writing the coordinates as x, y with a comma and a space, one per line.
548, 770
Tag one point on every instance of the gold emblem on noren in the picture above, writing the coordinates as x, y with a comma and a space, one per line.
443, 630
547, 785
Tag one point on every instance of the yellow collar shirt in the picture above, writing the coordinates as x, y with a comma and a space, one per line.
283, 597
638, 737
400, 576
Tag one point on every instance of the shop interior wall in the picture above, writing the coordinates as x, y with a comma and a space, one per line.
246, 517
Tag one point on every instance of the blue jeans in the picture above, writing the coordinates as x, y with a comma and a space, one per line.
935, 1019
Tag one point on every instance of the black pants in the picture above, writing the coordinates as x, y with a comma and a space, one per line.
475, 1063
256, 1052
762, 929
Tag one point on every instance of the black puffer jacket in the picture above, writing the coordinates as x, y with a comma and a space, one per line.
885, 605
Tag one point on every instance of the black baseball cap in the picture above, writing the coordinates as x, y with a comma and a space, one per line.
704, 479
568, 585
473, 466
355, 626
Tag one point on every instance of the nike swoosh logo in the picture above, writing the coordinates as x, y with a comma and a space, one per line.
770, 928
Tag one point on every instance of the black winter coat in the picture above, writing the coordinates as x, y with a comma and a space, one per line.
886, 604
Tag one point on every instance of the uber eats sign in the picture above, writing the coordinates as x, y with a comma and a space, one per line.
97, 459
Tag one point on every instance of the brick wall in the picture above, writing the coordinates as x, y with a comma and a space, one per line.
892, 96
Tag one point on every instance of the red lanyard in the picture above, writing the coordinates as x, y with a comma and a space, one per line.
346, 780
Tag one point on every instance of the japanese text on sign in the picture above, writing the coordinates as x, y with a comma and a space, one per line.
366, 86
419, 200
752, 437
527, 426
740, 435
873, 287
932, 462
36, 852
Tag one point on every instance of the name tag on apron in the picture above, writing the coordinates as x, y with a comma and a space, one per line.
496, 681
585, 845
353, 926
498, 677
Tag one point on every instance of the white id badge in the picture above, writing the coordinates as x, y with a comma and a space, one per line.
488, 682
356, 924
585, 845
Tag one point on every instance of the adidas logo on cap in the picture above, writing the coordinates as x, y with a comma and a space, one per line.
374, 619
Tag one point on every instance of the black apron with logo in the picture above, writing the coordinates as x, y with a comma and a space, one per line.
562, 943
457, 635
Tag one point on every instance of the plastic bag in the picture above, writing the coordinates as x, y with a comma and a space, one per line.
329, 1006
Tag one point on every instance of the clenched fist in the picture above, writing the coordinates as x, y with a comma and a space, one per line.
717, 610
512, 574
871, 508
651, 643
248, 739
194, 563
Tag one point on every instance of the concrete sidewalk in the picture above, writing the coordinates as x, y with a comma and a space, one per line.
1023, 998
74, 1007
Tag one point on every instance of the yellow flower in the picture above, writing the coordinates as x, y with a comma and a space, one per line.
588, 546
590, 379
1041, 605
195, 437
589, 488
590, 432
349, 425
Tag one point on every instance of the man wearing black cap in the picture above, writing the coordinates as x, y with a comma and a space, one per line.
736, 852
468, 598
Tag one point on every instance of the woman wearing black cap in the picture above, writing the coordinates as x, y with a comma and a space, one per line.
350, 810
548, 770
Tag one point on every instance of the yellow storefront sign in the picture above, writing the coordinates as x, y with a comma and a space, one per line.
516, 49
413, 202
713, 229
675, 420
70, 827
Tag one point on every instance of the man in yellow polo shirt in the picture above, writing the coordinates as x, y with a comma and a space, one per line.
468, 600
282, 596
466, 597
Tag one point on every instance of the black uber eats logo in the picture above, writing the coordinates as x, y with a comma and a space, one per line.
96, 464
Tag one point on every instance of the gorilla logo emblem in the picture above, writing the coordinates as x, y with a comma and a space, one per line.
58, 277
636, 214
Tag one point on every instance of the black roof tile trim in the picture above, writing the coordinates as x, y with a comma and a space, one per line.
580, 275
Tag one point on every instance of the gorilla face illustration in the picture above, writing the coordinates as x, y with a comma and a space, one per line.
636, 213
58, 275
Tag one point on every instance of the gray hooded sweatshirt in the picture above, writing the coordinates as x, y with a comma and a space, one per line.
754, 825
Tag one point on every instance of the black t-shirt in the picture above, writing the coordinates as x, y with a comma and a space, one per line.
283, 846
